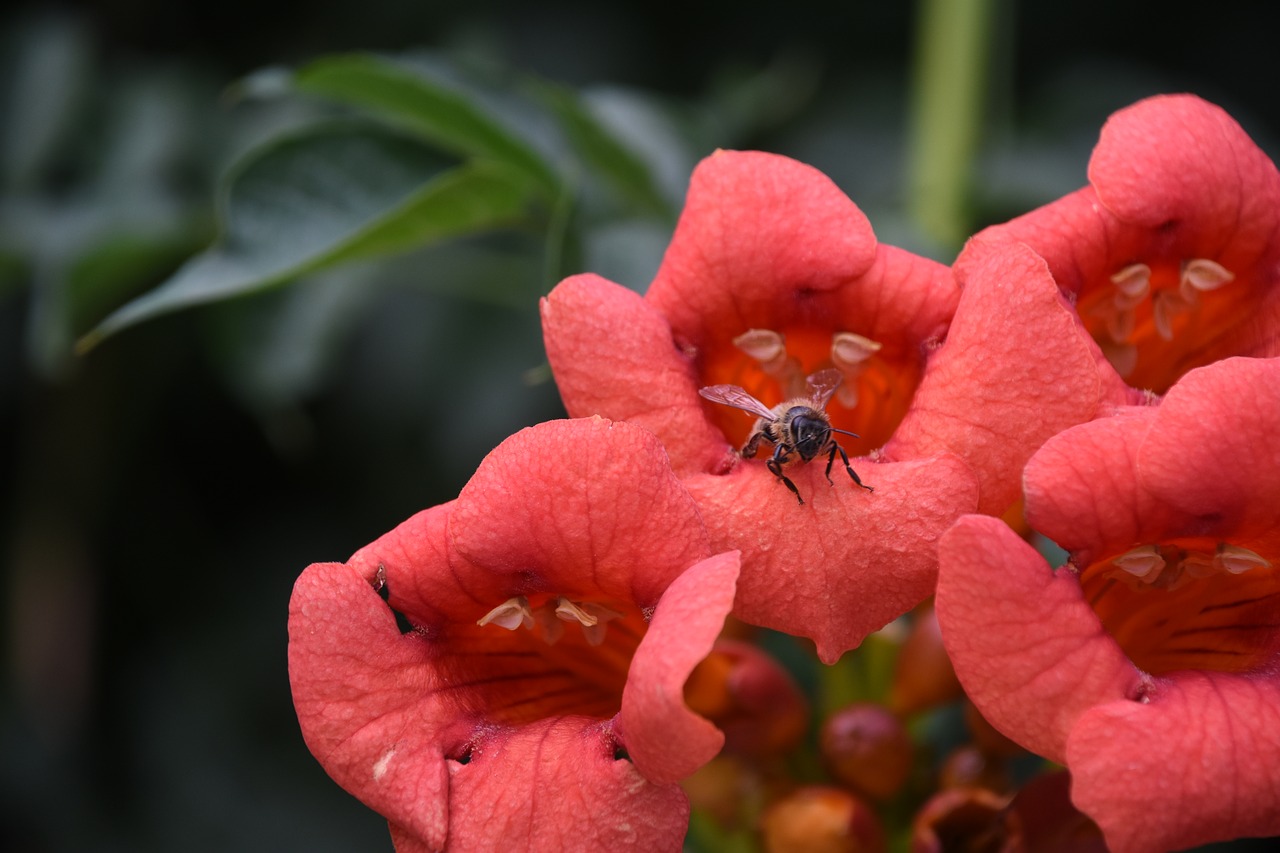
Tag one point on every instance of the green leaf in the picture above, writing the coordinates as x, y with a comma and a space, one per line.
603, 151
428, 103
324, 197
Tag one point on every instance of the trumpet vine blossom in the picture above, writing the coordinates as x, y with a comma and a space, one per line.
772, 275
1148, 664
1170, 254
551, 615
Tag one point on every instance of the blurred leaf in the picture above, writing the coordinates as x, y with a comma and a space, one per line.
603, 151
331, 195
45, 73
426, 103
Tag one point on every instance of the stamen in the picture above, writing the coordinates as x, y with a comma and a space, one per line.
1203, 275
850, 353
510, 614
1197, 565
1120, 323
1143, 562
571, 612
1164, 306
593, 617
769, 349
1237, 560
1133, 281
1123, 357
551, 628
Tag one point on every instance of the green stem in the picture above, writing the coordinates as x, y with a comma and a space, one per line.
953, 46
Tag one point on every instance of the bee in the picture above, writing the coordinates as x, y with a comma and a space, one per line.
799, 427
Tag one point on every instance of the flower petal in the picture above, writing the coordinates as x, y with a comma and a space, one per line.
754, 226
665, 739
1016, 368
848, 561
558, 784
363, 696
612, 355
1082, 488
585, 507
1171, 158
413, 559
1199, 762
1029, 651
1213, 451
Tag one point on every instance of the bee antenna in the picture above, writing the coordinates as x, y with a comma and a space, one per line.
845, 432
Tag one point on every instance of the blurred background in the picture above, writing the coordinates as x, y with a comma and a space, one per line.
160, 492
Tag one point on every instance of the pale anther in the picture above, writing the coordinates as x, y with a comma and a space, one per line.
595, 633
769, 349
1133, 281
1120, 323
1197, 565
1164, 306
1143, 562
572, 612
850, 352
510, 614
1205, 275
593, 617
763, 345
1237, 560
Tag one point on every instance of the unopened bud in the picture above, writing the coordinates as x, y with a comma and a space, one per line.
987, 737
726, 788
750, 698
868, 749
923, 677
970, 767
971, 819
1052, 823
818, 819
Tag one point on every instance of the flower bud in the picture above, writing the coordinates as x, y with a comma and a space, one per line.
867, 748
988, 738
971, 819
819, 819
970, 767
726, 789
922, 676
750, 698
1052, 822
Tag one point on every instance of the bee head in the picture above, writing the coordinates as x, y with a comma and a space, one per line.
810, 432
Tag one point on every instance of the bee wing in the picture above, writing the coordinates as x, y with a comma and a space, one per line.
732, 395
823, 384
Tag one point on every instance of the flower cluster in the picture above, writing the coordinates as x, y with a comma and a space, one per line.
540, 663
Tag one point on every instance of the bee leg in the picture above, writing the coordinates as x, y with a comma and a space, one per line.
775, 467
749, 449
845, 458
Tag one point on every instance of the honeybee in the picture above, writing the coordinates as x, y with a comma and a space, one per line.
799, 427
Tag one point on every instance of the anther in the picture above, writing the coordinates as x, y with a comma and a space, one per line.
1134, 281
1237, 560
1164, 306
850, 352
1202, 275
769, 349
593, 617
510, 614
1143, 562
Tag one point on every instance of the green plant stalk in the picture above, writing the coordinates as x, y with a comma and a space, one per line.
952, 50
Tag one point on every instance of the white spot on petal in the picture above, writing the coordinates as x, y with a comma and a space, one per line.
380, 767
